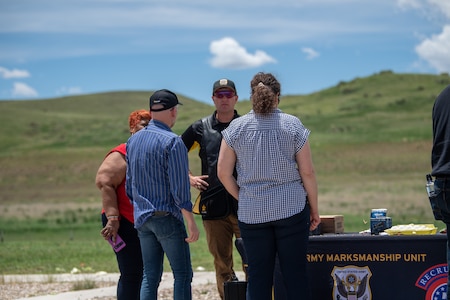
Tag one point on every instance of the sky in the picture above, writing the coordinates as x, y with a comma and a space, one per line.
54, 48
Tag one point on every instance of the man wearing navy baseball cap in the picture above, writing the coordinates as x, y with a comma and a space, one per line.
157, 183
162, 100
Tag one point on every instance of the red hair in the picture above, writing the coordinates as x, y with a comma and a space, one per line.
136, 117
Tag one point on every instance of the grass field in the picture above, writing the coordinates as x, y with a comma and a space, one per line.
371, 144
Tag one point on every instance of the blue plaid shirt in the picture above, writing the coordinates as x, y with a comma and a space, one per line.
265, 145
157, 173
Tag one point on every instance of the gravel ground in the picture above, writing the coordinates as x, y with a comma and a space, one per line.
11, 289
17, 290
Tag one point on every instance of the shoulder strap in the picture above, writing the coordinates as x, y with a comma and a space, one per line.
210, 146
206, 121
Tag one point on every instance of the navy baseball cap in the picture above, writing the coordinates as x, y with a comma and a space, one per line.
166, 98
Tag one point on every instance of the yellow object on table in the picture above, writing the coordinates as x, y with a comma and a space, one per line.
412, 229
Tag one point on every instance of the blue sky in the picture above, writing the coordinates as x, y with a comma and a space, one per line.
54, 48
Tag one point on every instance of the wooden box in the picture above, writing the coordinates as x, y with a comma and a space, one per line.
332, 223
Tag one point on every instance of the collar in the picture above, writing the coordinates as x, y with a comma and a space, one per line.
159, 124
215, 121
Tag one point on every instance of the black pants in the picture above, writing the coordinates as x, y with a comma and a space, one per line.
129, 260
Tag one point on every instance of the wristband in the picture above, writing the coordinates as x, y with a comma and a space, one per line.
113, 218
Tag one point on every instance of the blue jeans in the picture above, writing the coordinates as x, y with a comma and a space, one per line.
159, 235
442, 203
129, 260
289, 239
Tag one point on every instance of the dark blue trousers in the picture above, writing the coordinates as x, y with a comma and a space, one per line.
289, 239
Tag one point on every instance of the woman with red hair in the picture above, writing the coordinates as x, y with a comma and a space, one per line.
117, 212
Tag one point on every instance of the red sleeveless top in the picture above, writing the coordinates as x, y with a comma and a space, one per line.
124, 203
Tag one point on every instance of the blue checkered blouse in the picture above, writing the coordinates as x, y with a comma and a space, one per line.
265, 145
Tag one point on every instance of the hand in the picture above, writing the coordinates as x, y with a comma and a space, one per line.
314, 221
193, 232
110, 230
199, 182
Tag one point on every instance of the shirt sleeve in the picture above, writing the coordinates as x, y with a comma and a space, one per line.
228, 134
190, 135
302, 135
178, 170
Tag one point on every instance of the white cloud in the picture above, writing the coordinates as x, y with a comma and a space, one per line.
132, 21
435, 50
15, 73
228, 54
310, 53
409, 3
73, 90
21, 89
443, 6
437, 11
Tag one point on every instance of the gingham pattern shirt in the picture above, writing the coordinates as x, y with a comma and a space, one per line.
265, 146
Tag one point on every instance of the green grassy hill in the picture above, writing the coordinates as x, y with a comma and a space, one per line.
370, 137
371, 140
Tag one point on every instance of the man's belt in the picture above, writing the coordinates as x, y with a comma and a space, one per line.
160, 213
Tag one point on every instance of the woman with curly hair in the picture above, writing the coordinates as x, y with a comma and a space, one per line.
276, 190
117, 212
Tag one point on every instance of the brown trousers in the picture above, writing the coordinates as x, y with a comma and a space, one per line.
219, 235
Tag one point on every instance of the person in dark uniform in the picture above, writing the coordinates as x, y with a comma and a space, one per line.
217, 207
440, 163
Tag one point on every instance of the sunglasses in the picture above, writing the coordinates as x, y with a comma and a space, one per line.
227, 94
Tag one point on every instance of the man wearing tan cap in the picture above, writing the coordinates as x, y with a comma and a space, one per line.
217, 207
